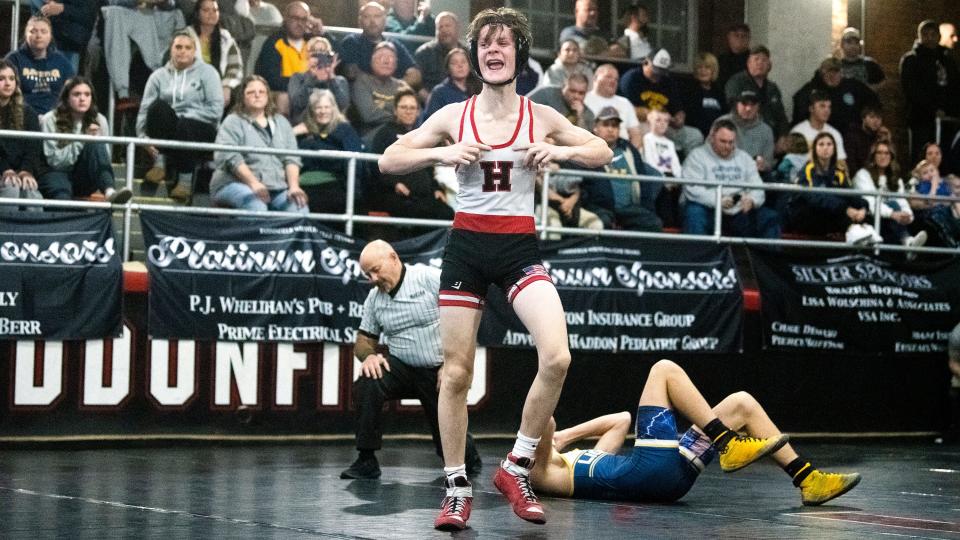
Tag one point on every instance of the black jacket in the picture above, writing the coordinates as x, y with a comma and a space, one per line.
921, 71
23, 154
846, 101
72, 28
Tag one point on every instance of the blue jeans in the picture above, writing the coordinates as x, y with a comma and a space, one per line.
91, 172
239, 195
761, 222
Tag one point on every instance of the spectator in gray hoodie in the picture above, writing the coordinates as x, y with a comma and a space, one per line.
183, 100
721, 161
754, 136
253, 181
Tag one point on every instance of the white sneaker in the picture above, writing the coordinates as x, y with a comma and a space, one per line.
860, 234
917, 240
120, 196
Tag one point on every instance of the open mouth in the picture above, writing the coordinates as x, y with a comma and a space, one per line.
495, 65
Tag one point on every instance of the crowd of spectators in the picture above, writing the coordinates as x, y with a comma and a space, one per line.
215, 75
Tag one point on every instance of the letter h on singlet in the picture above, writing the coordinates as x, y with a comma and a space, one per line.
496, 175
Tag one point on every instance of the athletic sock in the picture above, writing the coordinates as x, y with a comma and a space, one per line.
368, 454
718, 433
525, 446
453, 472
523, 453
798, 469
457, 483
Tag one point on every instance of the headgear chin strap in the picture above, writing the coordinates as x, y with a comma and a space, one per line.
523, 56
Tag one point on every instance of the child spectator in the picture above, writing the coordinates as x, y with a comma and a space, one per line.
798, 153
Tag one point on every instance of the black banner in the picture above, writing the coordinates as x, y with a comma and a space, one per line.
856, 303
287, 280
60, 276
623, 296
240, 279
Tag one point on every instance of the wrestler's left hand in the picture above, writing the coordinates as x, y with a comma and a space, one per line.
541, 154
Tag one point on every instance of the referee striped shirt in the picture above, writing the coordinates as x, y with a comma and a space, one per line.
410, 319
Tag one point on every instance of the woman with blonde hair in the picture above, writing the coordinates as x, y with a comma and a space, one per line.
703, 99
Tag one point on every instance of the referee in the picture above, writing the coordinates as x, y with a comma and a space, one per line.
403, 307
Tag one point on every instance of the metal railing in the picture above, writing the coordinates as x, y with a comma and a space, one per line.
350, 218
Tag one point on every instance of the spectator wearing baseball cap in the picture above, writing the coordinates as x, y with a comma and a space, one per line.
753, 135
847, 96
757, 78
650, 86
854, 64
628, 204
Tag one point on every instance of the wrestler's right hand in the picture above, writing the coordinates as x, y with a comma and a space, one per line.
462, 153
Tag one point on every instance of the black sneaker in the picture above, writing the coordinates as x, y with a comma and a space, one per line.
362, 469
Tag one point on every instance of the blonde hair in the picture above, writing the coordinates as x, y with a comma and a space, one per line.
708, 60
923, 164
321, 43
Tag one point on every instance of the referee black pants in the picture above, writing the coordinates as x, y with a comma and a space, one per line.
401, 382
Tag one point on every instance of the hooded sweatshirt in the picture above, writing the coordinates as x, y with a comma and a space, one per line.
753, 137
193, 93
740, 167
41, 79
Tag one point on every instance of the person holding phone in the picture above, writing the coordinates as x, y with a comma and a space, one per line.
720, 160
319, 75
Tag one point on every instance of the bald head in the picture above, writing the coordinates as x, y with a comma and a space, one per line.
380, 262
296, 7
376, 250
296, 17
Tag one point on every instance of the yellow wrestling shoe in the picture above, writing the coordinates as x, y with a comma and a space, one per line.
818, 487
741, 451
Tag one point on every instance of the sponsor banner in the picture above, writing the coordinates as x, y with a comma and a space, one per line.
856, 303
287, 280
273, 279
633, 296
60, 276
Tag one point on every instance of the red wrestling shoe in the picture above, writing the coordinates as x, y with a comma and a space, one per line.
455, 508
517, 489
